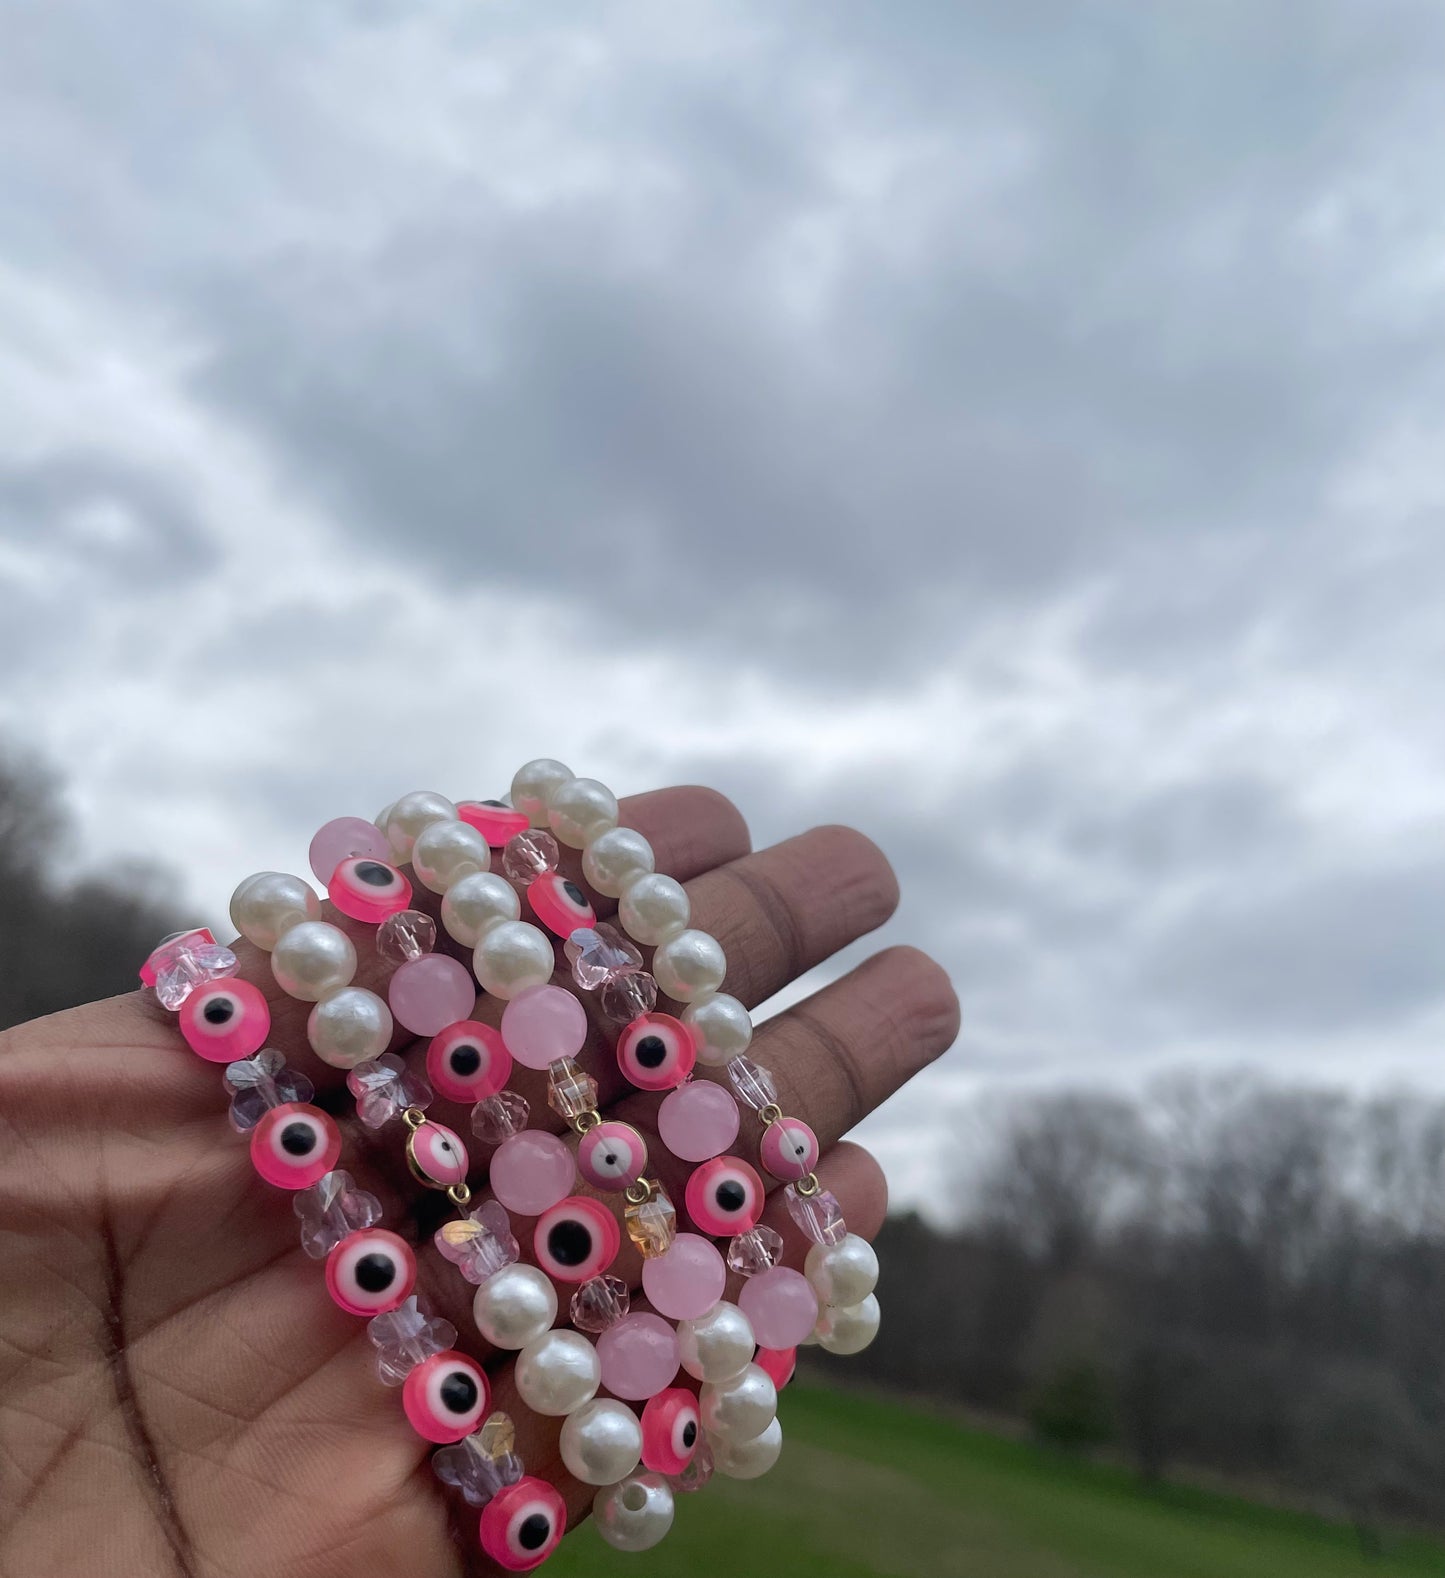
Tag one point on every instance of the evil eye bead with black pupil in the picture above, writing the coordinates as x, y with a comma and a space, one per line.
612, 1155
670, 1430
224, 1021
371, 1272
725, 1196
560, 904
789, 1149
468, 1061
493, 819
523, 1524
295, 1145
656, 1052
436, 1156
368, 890
445, 1397
576, 1240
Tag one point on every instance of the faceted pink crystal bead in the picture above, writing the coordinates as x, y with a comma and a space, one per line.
499, 1117
531, 1172
183, 962
756, 1251
529, 855
781, 1307
480, 1244
639, 1357
687, 1281
428, 994
384, 1088
697, 1473
600, 1303
628, 996
332, 1210
542, 1025
753, 1083
598, 952
406, 1337
346, 838
476, 1471
698, 1120
819, 1216
407, 935
260, 1083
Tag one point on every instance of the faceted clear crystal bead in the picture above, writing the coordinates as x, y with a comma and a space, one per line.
384, 1088
499, 1117
758, 1250
331, 1209
406, 1336
652, 1225
480, 1244
697, 1473
570, 1092
599, 1303
628, 996
407, 935
529, 855
597, 953
260, 1083
481, 1464
819, 1215
184, 961
753, 1083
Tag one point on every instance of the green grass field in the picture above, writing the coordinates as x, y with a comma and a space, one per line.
868, 1488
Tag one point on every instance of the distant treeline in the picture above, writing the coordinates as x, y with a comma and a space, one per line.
1225, 1274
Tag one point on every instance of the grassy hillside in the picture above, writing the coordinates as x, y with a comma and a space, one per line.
868, 1488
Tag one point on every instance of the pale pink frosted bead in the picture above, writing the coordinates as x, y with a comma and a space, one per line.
345, 839
781, 1307
639, 1357
531, 1172
698, 1121
543, 1024
687, 1281
430, 993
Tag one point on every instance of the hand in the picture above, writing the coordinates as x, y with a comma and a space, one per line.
177, 1392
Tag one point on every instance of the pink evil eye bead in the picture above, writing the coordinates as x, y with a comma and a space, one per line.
670, 1430
612, 1156
371, 1272
368, 890
543, 1024
656, 1052
224, 1021
576, 1240
295, 1145
445, 1397
724, 1196
495, 821
468, 1061
777, 1364
560, 904
789, 1149
523, 1524
342, 839
436, 1156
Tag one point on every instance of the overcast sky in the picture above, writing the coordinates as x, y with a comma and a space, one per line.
1014, 428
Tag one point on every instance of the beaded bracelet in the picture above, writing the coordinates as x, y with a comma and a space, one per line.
741, 1354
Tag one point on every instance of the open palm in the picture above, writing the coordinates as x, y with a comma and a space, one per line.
177, 1392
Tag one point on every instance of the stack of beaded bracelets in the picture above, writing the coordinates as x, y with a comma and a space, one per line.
739, 1353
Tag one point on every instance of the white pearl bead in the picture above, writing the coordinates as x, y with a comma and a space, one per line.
312, 960
740, 1407
474, 904
654, 908
636, 1514
515, 1306
557, 1372
689, 965
749, 1459
444, 852
349, 1027
580, 810
716, 1346
268, 903
842, 1273
849, 1328
601, 1442
533, 786
721, 1026
410, 815
512, 957
615, 858
380, 818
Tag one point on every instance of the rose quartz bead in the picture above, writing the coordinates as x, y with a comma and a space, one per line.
531, 1172
687, 1281
698, 1121
345, 839
781, 1307
542, 1024
639, 1357
430, 993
